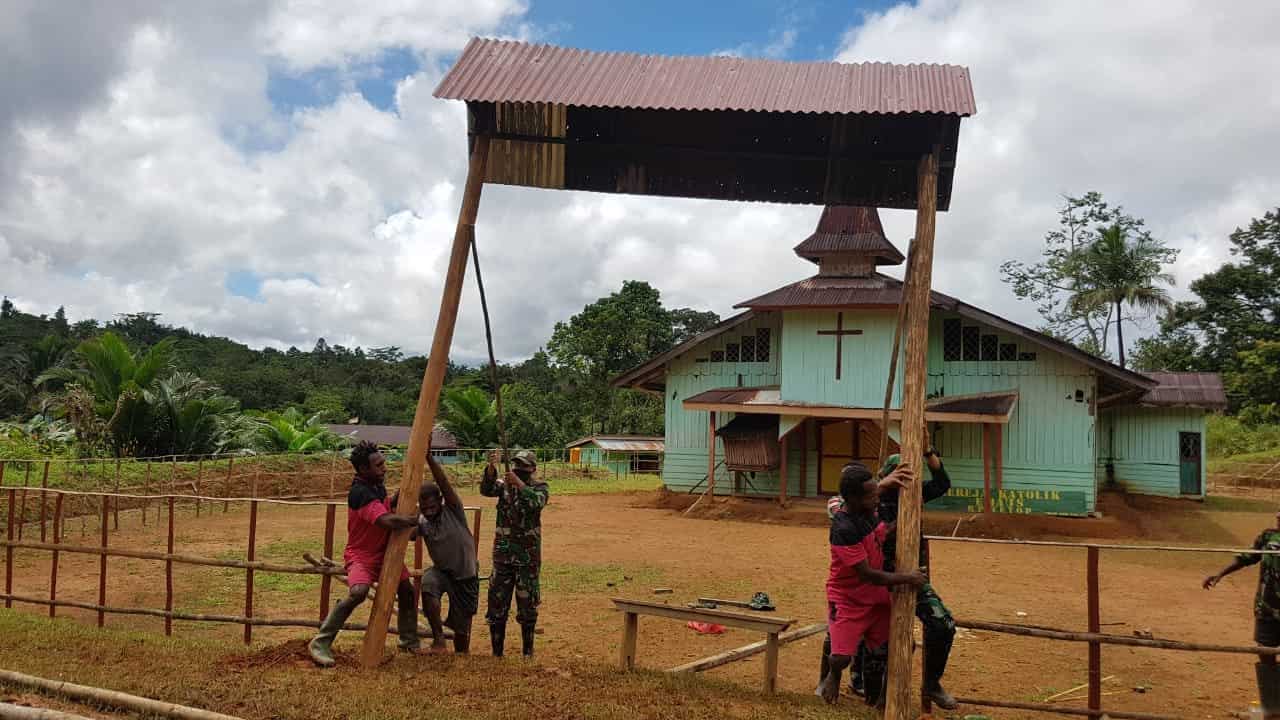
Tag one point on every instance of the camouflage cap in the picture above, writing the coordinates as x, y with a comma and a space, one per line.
891, 463
524, 460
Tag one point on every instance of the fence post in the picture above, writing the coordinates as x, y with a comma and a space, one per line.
44, 486
248, 573
333, 472
231, 463
475, 531
199, 477
22, 514
168, 577
117, 490
146, 492
102, 563
326, 580
53, 564
8, 553
1095, 626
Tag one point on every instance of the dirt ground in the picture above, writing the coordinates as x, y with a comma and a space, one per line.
603, 546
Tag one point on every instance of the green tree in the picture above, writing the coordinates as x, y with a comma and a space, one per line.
116, 379
191, 417
292, 432
1255, 381
687, 323
533, 417
1174, 349
470, 414
20, 367
1116, 271
1051, 282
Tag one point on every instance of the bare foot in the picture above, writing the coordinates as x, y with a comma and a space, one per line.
438, 647
830, 688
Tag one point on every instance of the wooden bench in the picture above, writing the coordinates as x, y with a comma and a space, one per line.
770, 625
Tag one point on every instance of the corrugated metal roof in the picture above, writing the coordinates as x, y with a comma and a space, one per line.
623, 443
441, 439
835, 292
507, 71
1186, 389
845, 229
987, 404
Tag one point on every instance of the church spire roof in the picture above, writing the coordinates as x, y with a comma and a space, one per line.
851, 232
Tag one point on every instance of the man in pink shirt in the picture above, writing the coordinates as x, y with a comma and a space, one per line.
858, 600
370, 519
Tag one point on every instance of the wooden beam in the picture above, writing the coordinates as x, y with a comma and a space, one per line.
782, 474
998, 434
711, 455
424, 417
759, 622
1095, 627
747, 651
630, 630
840, 413
804, 457
986, 468
900, 698
893, 363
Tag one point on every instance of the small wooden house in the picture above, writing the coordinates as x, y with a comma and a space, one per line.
791, 389
621, 454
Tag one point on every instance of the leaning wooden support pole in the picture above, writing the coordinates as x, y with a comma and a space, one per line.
746, 651
424, 416
111, 698
893, 361
900, 698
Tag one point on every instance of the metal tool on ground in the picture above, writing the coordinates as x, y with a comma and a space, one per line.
760, 602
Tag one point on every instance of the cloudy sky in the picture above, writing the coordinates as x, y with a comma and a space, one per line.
278, 171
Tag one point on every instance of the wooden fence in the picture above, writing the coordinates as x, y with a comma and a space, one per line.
1248, 479
107, 505
1093, 636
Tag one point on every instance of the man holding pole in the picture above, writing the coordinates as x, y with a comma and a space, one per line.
1266, 612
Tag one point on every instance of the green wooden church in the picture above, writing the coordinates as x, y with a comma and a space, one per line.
793, 387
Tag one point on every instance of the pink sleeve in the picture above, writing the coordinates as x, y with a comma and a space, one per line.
882, 532
849, 555
372, 511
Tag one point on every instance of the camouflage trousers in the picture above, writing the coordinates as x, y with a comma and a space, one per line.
939, 634
520, 580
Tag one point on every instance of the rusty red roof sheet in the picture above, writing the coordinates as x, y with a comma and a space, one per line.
838, 292
1186, 389
996, 403
845, 229
508, 71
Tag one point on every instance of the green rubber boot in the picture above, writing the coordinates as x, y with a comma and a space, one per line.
407, 626
321, 646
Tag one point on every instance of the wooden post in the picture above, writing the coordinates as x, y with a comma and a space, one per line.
475, 530
168, 576
117, 490
199, 477
986, 468
173, 476
333, 472
900, 698
998, 432
22, 513
428, 400
630, 629
53, 564
711, 455
804, 457
1095, 626
102, 562
893, 362
248, 573
782, 474
44, 486
326, 581
771, 663
302, 472
8, 552
146, 491
231, 465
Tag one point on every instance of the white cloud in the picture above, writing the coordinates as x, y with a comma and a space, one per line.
135, 191
1165, 107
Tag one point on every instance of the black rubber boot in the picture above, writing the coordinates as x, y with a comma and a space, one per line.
855, 671
407, 627
1269, 688
875, 663
935, 664
526, 640
498, 638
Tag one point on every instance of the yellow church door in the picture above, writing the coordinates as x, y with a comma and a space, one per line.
836, 448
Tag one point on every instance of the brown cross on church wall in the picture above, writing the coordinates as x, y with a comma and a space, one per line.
839, 332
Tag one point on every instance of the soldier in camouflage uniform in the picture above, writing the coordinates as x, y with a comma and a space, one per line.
517, 547
1266, 612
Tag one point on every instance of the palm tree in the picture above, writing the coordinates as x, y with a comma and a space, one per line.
470, 415
117, 380
191, 416
1119, 271
293, 432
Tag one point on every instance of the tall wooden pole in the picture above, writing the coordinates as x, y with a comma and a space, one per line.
1095, 626
900, 698
428, 399
711, 455
893, 361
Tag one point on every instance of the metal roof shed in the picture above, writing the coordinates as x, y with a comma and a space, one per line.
710, 127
